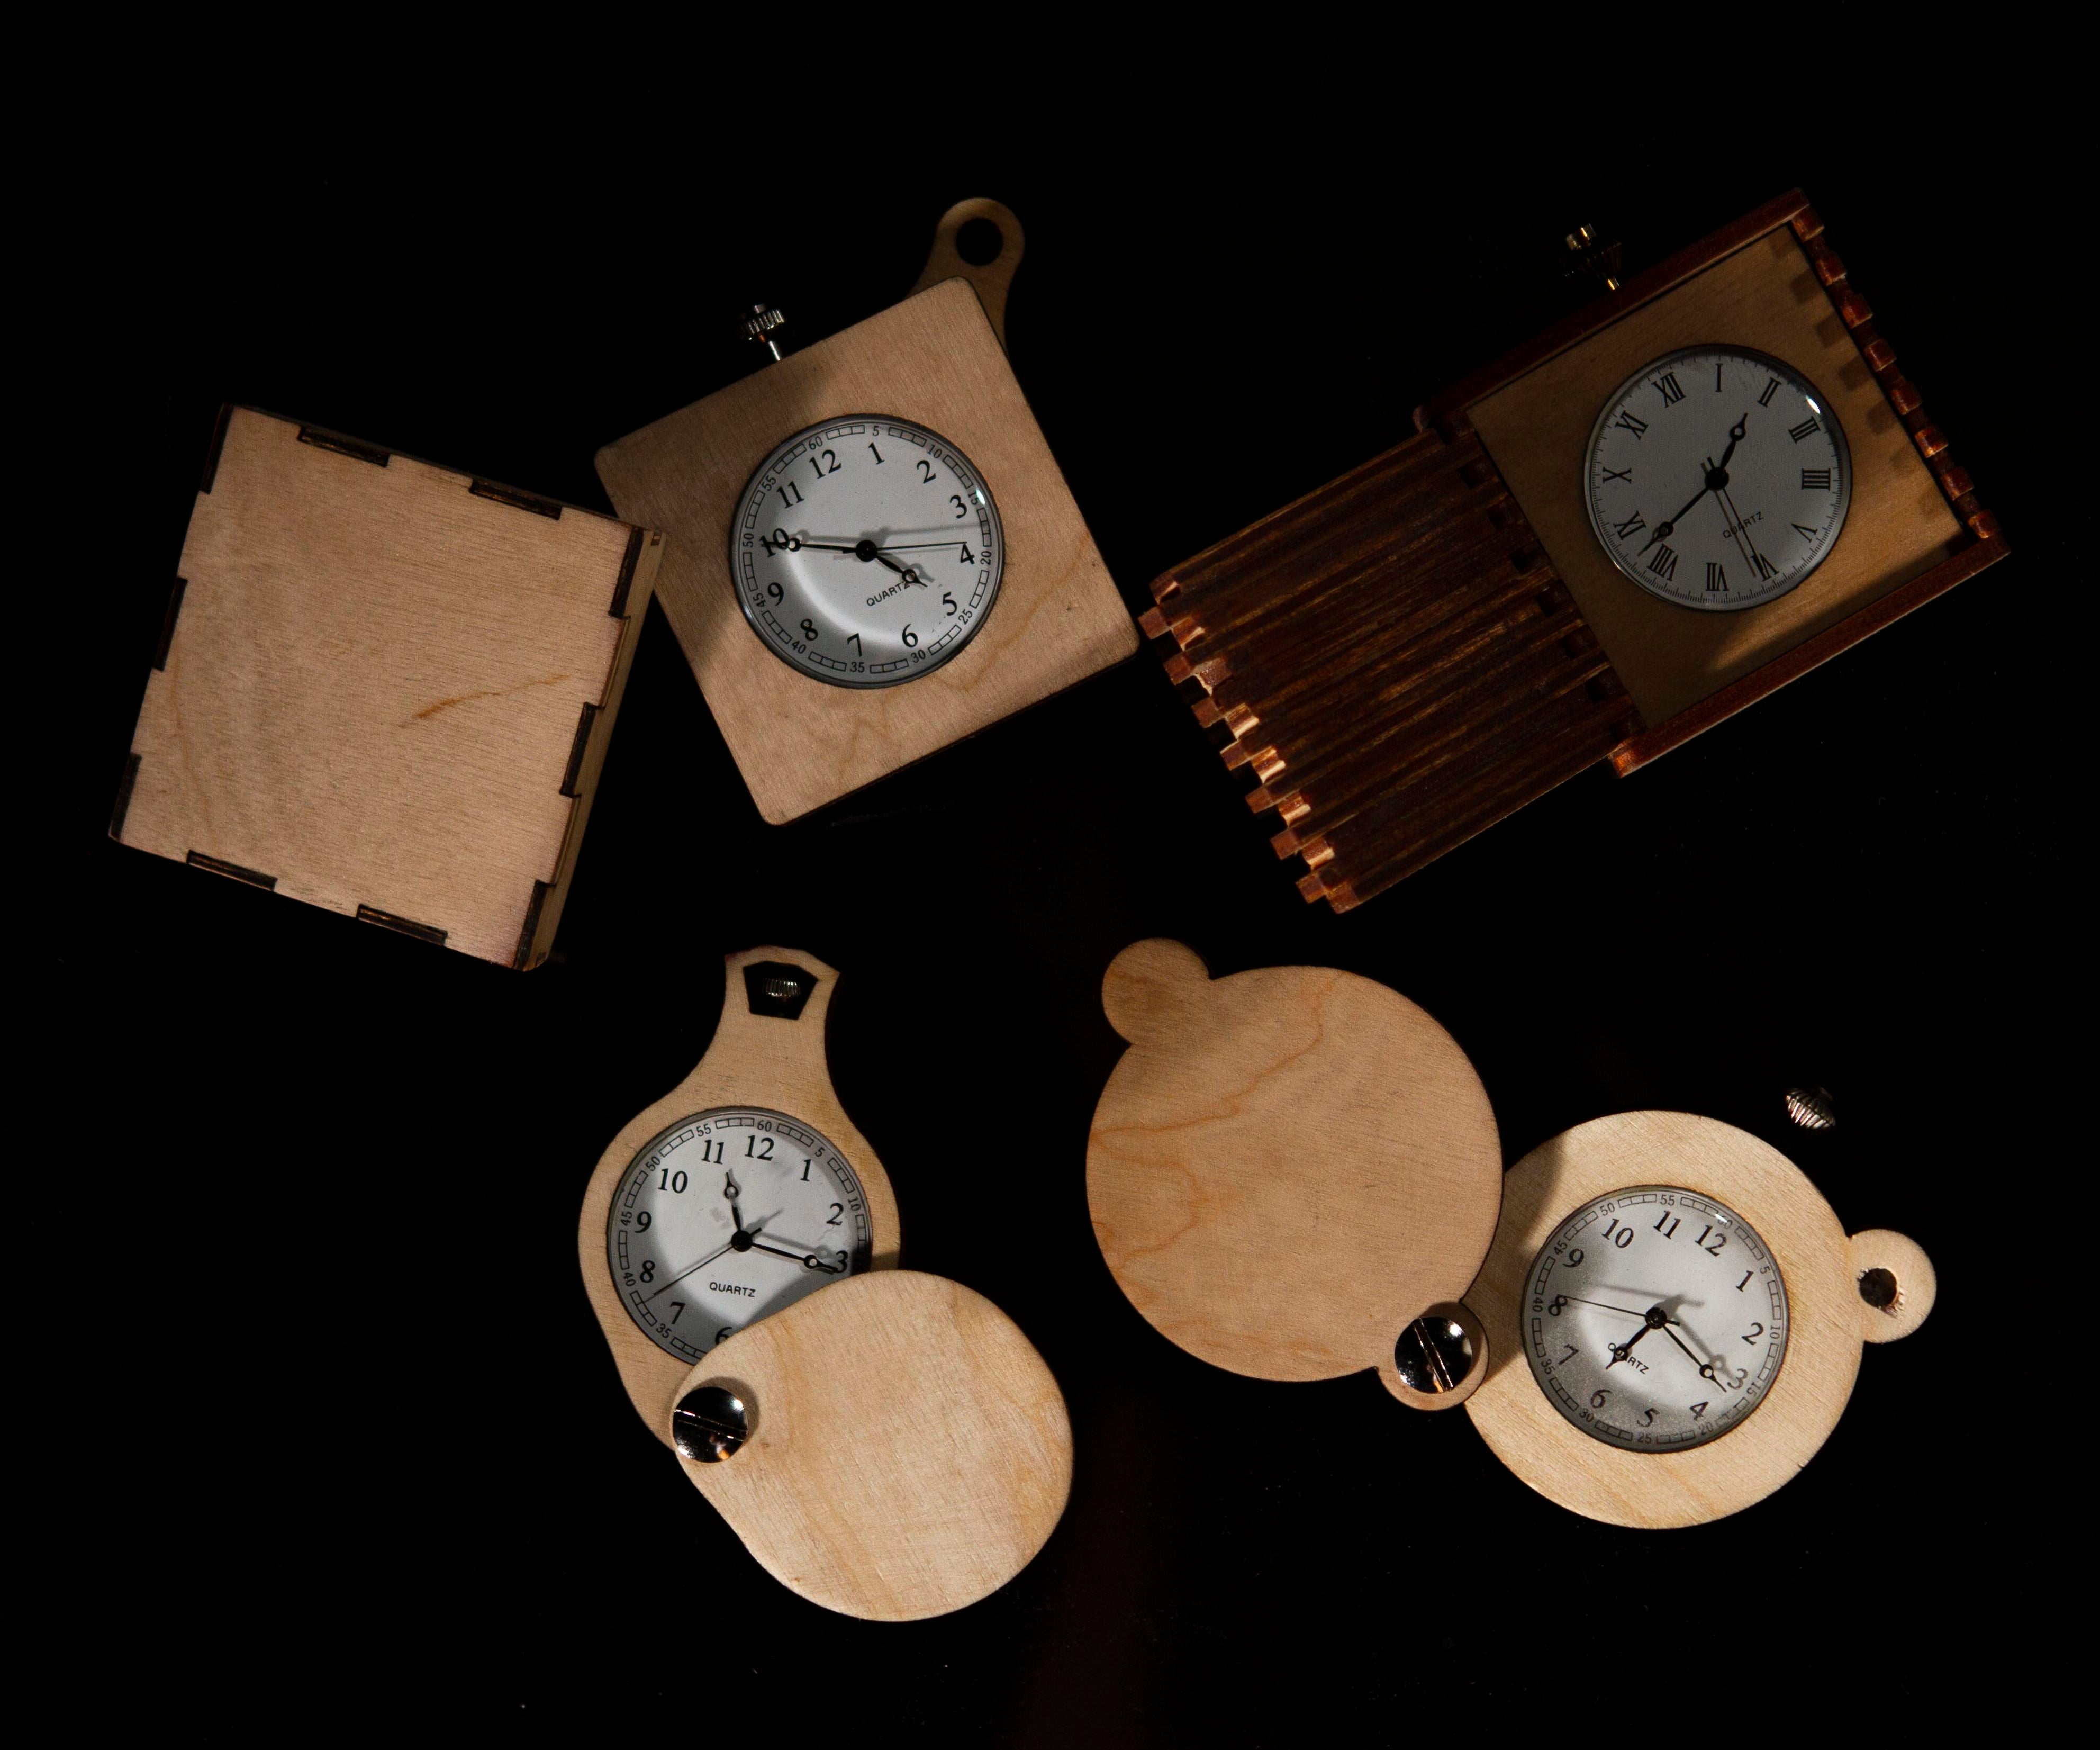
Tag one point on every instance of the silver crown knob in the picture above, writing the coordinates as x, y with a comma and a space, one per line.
762, 325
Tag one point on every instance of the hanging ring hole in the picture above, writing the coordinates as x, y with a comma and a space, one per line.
709, 1424
980, 242
1879, 1290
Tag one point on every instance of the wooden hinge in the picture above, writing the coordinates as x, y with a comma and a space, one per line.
588, 717
220, 866
122, 805
629, 561
371, 914
168, 623
217, 443
521, 959
343, 446
516, 500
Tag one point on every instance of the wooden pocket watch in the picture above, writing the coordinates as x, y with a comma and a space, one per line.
871, 552
886, 1443
1654, 1318
1654, 515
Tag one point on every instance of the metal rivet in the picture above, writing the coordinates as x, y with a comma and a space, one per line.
1810, 1108
709, 1424
1877, 1289
1433, 1354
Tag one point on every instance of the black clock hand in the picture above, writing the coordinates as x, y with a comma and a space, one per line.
1744, 545
1608, 1306
732, 1191
807, 1260
686, 1272
905, 572
920, 546
1654, 1319
1717, 480
1707, 1370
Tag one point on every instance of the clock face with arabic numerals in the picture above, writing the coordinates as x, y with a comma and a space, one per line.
1718, 477
866, 552
1654, 1319
728, 1215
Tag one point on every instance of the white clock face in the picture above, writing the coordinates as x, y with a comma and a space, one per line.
1654, 1319
867, 551
1718, 477
727, 1216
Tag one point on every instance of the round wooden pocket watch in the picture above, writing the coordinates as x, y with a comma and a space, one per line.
1653, 1318
886, 1443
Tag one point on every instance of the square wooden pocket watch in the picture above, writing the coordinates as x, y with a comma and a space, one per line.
872, 553
1656, 513
1653, 1318
385, 687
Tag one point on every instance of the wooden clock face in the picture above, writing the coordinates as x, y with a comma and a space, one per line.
727, 1216
866, 552
1654, 1319
1717, 477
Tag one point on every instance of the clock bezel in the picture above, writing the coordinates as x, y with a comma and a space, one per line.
1832, 423
738, 544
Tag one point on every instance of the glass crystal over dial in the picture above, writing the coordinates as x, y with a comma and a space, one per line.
867, 551
1654, 1319
1717, 477
727, 1216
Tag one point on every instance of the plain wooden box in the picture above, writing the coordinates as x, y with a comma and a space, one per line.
1771, 281
934, 359
385, 689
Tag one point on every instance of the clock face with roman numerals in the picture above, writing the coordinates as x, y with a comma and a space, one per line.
1654, 1319
867, 551
1718, 477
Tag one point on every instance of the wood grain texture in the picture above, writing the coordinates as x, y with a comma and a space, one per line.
1824, 1343
932, 358
753, 1060
374, 685
993, 278
909, 1451
1288, 1166
1766, 297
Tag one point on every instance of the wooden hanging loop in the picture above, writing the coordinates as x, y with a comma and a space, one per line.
982, 241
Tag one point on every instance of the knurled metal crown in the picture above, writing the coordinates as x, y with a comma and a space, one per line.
760, 325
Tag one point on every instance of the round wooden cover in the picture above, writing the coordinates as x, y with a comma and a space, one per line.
1289, 1165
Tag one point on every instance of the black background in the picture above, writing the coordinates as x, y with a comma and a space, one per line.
301, 1254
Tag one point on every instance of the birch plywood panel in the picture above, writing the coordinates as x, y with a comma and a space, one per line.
932, 360
908, 1450
1289, 1165
386, 688
1765, 296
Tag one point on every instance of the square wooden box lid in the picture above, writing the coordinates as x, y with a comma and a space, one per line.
935, 360
384, 687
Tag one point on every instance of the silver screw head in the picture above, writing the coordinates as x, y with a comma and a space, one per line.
1433, 1354
1811, 1108
709, 1424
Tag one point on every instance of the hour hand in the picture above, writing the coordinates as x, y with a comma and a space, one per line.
807, 1260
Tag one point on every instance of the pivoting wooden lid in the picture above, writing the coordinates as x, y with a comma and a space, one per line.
1289, 1166
904, 1451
